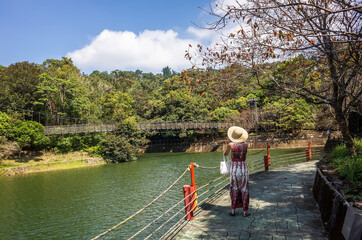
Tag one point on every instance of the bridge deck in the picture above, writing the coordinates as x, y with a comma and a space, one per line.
144, 126
282, 207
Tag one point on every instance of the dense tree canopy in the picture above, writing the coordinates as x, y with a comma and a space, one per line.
57, 93
327, 34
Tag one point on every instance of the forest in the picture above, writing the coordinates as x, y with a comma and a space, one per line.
58, 88
301, 62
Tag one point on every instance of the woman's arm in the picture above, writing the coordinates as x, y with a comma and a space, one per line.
228, 148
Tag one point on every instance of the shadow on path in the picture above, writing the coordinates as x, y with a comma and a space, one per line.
281, 203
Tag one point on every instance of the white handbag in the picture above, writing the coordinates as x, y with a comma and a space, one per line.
225, 166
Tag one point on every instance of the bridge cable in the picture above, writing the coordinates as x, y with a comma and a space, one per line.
142, 209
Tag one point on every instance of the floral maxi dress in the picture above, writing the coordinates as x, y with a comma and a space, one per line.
239, 177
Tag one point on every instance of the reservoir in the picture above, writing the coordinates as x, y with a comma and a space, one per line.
82, 203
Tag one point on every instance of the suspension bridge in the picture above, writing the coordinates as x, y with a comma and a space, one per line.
144, 126
56, 124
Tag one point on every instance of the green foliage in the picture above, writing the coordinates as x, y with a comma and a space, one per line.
116, 106
8, 148
18, 85
76, 142
116, 148
5, 124
167, 72
64, 145
237, 104
94, 151
28, 134
57, 87
223, 113
62, 88
123, 145
349, 167
288, 115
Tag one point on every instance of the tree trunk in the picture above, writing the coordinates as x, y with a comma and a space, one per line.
343, 126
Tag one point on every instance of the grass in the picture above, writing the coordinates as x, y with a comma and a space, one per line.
349, 167
46, 161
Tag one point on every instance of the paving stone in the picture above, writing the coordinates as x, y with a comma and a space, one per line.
278, 237
234, 235
293, 237
260, 236
282, 207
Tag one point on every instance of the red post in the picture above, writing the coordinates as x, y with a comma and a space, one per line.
308, 152
307, 155
193, 186
267, 159
266, 163
188, 199
310, 149
192, 175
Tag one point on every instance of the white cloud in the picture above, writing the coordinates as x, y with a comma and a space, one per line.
200, 33
150, 50
124, 50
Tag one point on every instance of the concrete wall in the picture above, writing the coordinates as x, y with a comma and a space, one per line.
220, 146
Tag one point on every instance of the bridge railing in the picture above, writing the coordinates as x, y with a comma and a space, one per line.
184, 125
144, 126
78, 128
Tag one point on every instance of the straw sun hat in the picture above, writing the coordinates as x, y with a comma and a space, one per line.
237, 134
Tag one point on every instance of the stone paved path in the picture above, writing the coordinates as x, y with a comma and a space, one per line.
282, 207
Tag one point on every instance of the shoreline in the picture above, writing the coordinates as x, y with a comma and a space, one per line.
48, 161
220, 146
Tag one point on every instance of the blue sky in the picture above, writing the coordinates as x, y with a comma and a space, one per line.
102, 34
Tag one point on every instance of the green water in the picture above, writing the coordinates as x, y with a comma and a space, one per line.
82, 203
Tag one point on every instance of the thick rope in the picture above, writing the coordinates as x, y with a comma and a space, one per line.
251, 154
198, 166
182, 200
183, 208
142, 209
199, 203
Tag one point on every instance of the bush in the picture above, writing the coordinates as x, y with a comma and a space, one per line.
75, 142
222, 113
122, 145
8, 148
64, 145
94, 151
28, 134
115, 148
349, 167
5, 124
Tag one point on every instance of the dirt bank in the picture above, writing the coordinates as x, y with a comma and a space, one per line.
47, 161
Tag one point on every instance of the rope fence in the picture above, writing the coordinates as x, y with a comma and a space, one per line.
200, 195
142, 209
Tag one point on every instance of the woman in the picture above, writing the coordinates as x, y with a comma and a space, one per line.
239, 178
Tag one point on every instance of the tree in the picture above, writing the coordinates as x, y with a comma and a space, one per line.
173, 103
5, 124
287, 114
326, 33
61, 89
124, 144
28, 134
167, 72
116, 106
18, 84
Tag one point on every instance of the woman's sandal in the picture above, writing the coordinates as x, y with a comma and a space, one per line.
232, 214
247, 214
